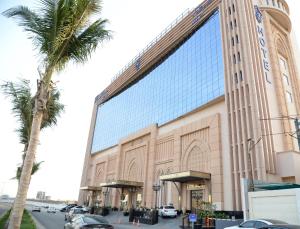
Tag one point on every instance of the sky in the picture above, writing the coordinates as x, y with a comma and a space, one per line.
134, 24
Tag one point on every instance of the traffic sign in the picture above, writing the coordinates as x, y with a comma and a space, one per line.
192, 218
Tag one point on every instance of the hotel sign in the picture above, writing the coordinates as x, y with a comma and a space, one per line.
262, 43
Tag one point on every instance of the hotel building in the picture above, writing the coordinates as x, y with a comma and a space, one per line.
214, 99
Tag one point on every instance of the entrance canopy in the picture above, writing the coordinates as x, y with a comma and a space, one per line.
122, 184
276, 186
91, 188
184, 177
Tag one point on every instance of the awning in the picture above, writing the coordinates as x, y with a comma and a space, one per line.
91, 188
186, 176
276, 186
122, 184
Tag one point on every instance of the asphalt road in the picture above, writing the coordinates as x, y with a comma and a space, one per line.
2, 210
4, 207
50, 220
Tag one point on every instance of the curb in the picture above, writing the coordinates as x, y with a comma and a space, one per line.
37, 223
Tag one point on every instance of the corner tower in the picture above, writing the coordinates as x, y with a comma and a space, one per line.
262, 91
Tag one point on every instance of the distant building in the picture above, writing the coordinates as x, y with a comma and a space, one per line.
47, 197
41, 195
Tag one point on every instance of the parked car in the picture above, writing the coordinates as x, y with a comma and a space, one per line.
259, 223
167, 210
88, 221
68, 207
80, 207
51, 210
72, 213
282, 226
36, 209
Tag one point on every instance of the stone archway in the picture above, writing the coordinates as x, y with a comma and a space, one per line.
196, 157
133, 171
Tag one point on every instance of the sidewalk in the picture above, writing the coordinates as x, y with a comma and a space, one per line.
121, 222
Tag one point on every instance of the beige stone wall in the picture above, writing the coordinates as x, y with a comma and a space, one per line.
193, 142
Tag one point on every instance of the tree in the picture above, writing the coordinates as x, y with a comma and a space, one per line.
62, 31
22, 107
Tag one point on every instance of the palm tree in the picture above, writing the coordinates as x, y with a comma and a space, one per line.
62, 31
22, 107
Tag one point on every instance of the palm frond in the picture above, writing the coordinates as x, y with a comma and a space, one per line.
53, 110
23, 105
62, 29
35, 168
81, 47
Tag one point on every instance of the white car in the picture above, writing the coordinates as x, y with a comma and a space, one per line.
36, 209
51, 210
167, 210
84, 209
258, 223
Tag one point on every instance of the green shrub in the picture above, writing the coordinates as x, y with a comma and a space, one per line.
4, 219
27, 222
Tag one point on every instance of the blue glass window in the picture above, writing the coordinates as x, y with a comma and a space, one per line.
187, 79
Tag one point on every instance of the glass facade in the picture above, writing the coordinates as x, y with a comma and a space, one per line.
187, 79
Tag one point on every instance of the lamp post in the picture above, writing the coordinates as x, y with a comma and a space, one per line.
105, 196
251, 183
156, 188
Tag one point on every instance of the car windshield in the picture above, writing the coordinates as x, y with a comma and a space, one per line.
169, 207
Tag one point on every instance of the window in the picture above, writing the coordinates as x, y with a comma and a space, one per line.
235, 23
229, 10
237, 38
232, 41
239, 57
283, 64
259, 224
286, 79
289, 97
234, 59
166, 92
231, 25
241, 76
248, 224
233, 7
236, 78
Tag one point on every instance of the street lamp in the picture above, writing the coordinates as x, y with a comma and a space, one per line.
156, 188
105, 193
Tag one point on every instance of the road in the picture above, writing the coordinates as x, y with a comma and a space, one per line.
4, 207
56, 221
50, 220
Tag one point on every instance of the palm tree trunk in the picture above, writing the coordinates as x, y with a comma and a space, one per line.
20, 201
